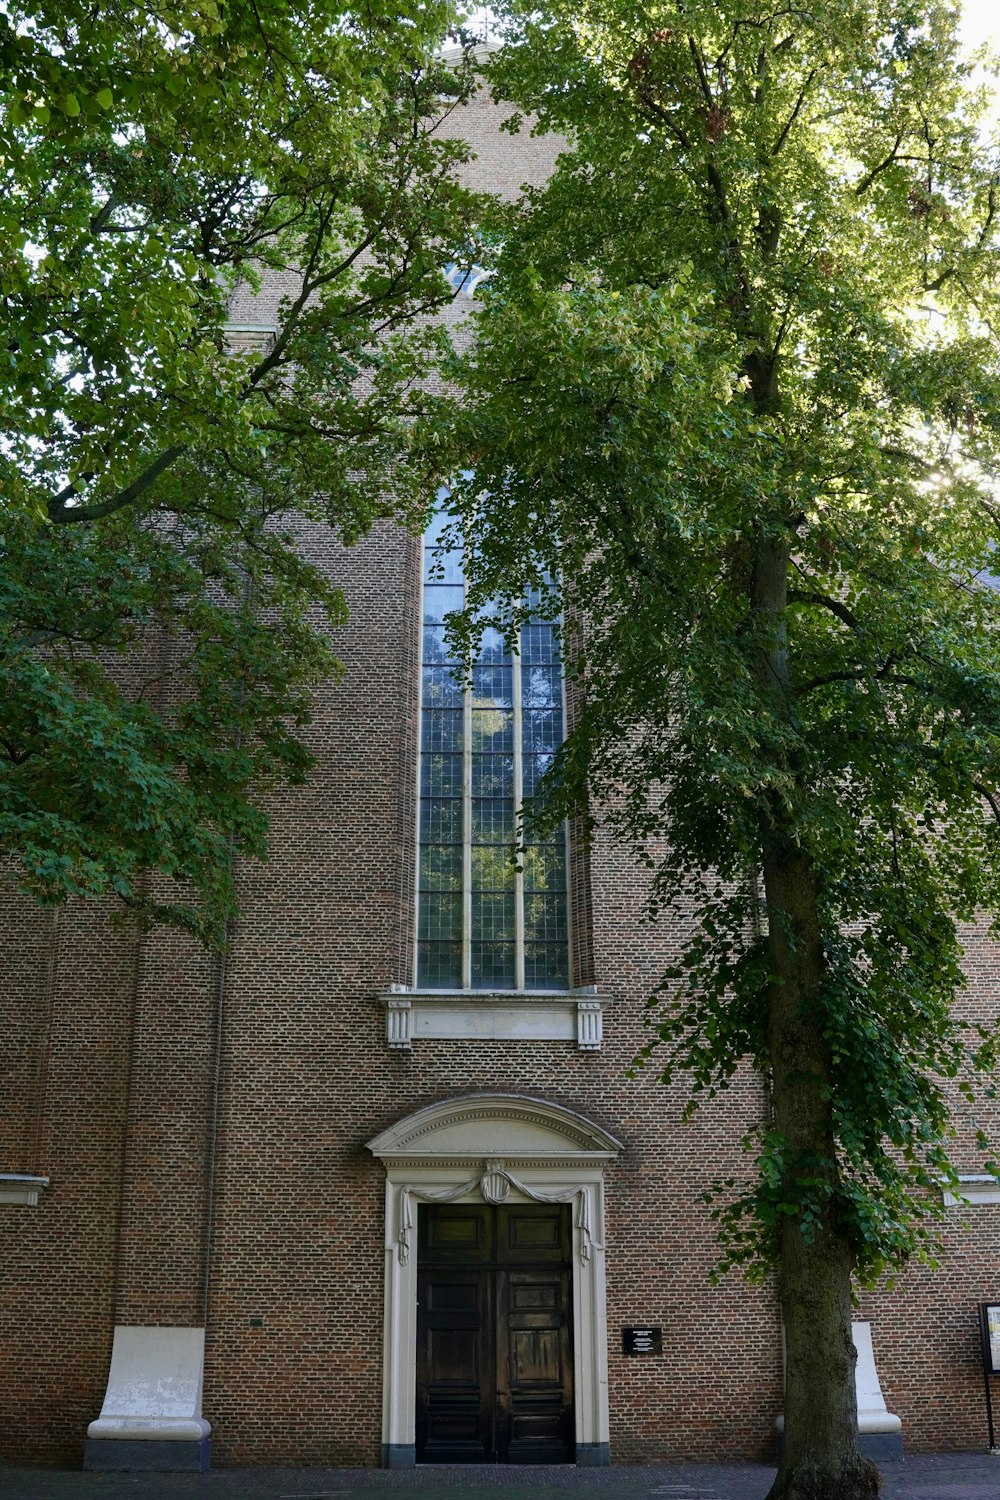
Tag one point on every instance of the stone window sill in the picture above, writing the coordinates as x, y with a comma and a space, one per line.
493, 1015
974, 1188
20, 1188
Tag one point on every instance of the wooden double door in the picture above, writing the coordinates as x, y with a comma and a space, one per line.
494, 1334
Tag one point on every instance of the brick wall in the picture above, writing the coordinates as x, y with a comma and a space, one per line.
59, 1260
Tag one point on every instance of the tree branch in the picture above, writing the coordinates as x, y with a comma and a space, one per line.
60, 514
991, 798
311, 282
783, 136
706, 87
953, 271
645, 96
825, 601
870, 177
890, 451
895, 679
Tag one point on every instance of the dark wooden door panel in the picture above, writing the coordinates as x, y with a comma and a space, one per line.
535, 1367
534, 1359
454, 1366
530, 1234
454, 1359
494, 1335
457, 1234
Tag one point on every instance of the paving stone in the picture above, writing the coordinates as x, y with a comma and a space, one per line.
968, 1476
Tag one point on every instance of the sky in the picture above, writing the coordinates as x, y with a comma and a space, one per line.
981, 22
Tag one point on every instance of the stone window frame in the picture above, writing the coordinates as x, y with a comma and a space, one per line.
486, 995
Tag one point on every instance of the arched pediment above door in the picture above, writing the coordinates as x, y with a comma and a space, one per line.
514, 1127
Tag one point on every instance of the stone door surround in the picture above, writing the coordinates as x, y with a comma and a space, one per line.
494, 1148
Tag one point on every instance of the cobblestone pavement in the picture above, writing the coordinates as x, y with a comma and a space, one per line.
961, 1476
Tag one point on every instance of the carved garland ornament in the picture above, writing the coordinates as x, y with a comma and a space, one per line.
494, 1181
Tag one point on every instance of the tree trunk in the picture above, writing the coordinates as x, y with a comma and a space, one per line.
821, 1458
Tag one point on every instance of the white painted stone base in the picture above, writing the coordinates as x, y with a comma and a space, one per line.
874, 1419
154, 1387
872, 1413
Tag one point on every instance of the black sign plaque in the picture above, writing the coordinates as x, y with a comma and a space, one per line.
991, 1336
989, 1333
644, 1340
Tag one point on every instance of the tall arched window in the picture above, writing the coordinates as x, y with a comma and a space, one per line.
487, 920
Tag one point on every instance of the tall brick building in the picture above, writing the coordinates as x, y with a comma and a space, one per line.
386, 1154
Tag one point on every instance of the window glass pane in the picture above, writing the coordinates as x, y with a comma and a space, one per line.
436, 648
492, 687
492, 646
539, 644
545, 918
441, 775
440, 601
492, 821
541, 687
543, 601
441, 867
443, 566
442, 729
483, 831
546, 966
533, 768
493, 917
492, 966
441, 916
492, 868
439, 966
493, 776
442, 546
440, 820
440, 522
544, 868
442, 688
492, 730
541, 729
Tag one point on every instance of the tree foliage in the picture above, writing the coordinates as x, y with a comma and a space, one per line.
737, 377
155, 162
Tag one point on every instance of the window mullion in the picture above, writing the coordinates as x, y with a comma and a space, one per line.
518, 803
467, 833
570, 935
418, 896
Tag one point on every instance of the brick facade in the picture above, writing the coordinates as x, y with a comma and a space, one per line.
203, 1125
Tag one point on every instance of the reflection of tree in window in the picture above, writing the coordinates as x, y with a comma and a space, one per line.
486, 918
